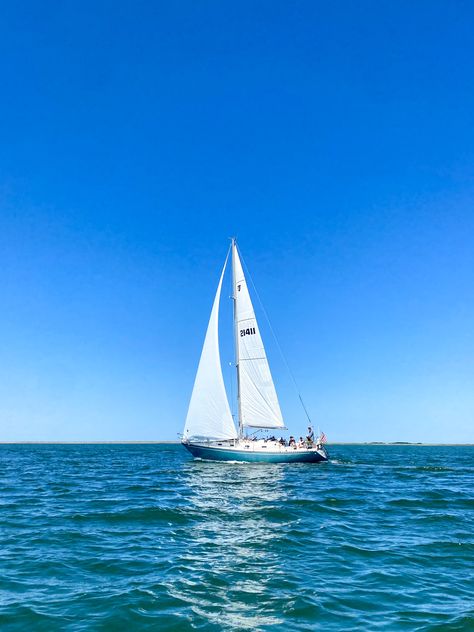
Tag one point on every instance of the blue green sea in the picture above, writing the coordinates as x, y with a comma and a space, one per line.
141, 537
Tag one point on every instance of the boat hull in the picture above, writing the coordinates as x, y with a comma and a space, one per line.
211, 453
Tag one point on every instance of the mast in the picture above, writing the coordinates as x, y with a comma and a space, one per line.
236, 344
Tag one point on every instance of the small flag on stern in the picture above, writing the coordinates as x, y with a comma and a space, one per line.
322, 438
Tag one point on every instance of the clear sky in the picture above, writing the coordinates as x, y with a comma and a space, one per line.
334, 139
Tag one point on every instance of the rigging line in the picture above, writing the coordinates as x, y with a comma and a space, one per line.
276, 339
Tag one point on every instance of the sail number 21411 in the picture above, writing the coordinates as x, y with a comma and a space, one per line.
247, 332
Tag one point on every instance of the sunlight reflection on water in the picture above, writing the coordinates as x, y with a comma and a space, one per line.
229, 539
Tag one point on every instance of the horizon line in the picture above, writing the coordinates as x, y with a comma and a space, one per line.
162, 442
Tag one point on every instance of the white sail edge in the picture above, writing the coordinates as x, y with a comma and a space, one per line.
209, 415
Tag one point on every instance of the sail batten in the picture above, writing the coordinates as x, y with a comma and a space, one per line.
258, 401
209, 415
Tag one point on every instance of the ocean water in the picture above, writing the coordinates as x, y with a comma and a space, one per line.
141, 537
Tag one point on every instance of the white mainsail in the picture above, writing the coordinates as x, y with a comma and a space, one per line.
209, 413
259, 407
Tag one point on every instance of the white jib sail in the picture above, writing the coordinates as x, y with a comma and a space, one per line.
209, 413
259, 405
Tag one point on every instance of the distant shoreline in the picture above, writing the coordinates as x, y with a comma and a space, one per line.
367, 443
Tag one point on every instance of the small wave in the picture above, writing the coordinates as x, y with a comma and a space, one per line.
138, 515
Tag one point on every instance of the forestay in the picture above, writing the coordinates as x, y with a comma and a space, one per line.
209, 414
259, 405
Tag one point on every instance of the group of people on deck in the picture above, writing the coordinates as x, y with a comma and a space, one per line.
308, 442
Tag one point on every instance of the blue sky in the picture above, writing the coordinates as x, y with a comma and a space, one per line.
334, 139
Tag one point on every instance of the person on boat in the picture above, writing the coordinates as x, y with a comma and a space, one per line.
281, 441
292, 441
310, 436
301, 443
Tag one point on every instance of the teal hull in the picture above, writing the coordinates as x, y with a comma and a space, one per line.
217, 454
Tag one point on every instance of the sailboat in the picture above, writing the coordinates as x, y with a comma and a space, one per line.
209, 431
